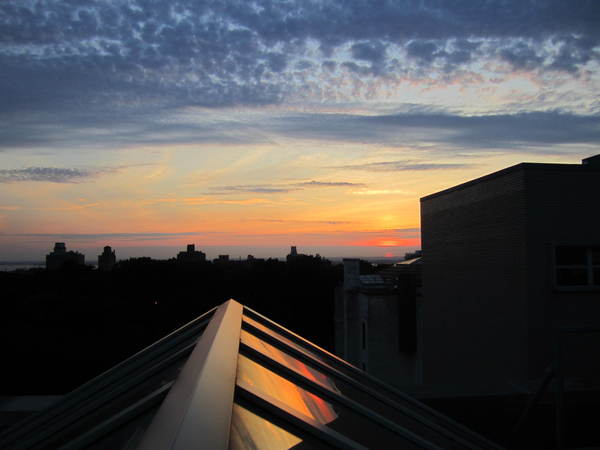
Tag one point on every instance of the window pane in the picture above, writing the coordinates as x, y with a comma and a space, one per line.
278, 336
596, 255
287, 360
252, 431
571, 277
569, 255
596, 276
334, 416
339, 386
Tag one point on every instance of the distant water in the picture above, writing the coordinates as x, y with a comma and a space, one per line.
9, 266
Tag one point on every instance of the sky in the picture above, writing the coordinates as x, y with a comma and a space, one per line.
249, 126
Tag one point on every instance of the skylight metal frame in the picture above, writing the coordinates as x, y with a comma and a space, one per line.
331, 396
58, 419
196, 409
417, 410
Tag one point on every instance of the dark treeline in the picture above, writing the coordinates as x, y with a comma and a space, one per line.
60, 328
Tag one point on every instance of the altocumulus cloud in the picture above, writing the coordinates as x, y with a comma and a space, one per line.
217, 53
125, 58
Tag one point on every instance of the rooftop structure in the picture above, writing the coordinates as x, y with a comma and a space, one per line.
510, 259
234, 379
375, 320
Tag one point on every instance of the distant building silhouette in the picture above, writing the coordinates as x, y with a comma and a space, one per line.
107, 260
221, 259
300, 258
293, 255
191, 255
60, 256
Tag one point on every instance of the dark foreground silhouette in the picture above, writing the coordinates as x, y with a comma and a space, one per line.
60, 328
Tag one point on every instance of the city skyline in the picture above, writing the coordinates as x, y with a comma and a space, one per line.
212, 252
260, 125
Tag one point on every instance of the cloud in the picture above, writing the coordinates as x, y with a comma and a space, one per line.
394, 166
254, 189
141, 236
104, 74
232, 52
244, 202
382, 192
536, 131
278, 188
51, 174
325, 222
314, 183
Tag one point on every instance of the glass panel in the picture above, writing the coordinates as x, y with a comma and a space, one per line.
571, 277
357, 375
287, 360
339, 386
252, 431
129, 435
596, 276
571, 256
111, 406
278, 336
334, 416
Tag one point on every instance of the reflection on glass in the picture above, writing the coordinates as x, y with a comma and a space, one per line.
293, 396
292, 344
250, 431
339, 386
341, 419
288, 361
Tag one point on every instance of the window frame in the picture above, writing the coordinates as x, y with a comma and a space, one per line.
589, 266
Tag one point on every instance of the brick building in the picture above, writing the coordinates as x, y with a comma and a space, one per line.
510, 258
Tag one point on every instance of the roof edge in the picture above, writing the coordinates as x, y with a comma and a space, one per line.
511, 169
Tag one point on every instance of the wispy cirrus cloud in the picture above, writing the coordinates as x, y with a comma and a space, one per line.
382, 192
402, 165
301, 221
52, 174
279, 188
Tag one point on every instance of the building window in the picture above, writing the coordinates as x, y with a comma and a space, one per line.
577, 266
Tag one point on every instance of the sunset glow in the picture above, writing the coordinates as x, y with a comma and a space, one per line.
147, 127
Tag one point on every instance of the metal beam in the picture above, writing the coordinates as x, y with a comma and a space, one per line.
198, 409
